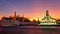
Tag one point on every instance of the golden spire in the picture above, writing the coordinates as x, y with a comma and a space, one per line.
47, 13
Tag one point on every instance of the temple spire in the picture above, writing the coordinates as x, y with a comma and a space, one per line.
15, 15
47, 13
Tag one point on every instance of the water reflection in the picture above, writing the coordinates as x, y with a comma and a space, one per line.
29, 30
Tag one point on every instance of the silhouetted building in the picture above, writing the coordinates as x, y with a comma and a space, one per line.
26, 20
14, 16
9, 21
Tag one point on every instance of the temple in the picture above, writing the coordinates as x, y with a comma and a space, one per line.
47, 20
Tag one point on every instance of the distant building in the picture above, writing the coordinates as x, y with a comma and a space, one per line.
13, 21
28, 24
9, 21
47, 20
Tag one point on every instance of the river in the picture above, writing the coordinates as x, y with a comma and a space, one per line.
30, 30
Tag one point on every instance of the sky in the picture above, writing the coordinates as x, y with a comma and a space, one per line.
32, 9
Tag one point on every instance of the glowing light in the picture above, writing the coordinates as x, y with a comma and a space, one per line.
48, 24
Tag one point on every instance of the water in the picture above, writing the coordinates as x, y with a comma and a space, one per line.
29, 30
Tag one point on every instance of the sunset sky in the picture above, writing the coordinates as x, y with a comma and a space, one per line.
32, 9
